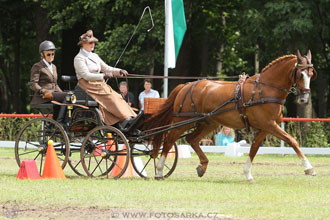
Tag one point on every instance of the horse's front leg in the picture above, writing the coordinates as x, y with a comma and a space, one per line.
278, 132
257, 140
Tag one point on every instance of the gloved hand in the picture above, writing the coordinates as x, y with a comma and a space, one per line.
123, 72
47, 95
107, 75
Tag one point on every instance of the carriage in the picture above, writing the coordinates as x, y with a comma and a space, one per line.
86, 144
200, 106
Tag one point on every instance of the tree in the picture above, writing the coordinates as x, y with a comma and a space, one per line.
16, 36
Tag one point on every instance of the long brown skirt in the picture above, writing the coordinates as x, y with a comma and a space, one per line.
112, 106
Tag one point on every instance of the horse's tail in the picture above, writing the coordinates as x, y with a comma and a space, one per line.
162, 118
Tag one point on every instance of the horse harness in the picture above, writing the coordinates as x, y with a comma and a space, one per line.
238, 99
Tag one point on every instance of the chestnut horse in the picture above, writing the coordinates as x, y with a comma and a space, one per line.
257, 102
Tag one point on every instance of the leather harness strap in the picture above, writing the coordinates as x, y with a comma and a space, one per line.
238, 99
191, 99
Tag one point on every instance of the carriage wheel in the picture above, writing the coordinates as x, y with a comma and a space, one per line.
105, 151
77, 132
145, 165
32, 142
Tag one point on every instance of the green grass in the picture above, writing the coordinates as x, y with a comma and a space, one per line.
281, 191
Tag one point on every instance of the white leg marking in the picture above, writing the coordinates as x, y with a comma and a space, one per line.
306, 163
160, 166
247, 169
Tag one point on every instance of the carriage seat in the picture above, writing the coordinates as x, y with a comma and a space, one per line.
87, 103
42, 106
82, 97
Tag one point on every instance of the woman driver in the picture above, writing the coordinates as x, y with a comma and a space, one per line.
91, 72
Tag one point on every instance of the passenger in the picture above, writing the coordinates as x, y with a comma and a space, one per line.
225, 136
147, 93
43, 80
128, 96
91, 72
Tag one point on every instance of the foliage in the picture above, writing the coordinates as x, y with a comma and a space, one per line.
10, 127
314, 134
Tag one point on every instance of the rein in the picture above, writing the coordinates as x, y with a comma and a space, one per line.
137, 76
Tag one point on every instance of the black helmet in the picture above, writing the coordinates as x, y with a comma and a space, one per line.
46, 45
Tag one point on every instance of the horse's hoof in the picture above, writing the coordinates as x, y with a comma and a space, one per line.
310, 172
200, 171
250, 180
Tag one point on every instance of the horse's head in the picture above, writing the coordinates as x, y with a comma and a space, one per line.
301, 76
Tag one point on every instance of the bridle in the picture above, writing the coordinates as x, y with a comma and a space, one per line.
297, 76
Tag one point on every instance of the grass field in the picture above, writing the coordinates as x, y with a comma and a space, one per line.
281, 191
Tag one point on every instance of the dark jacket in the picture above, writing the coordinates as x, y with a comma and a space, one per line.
43, 80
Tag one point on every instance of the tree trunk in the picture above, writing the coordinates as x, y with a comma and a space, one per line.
221, 50
4, 96
70, 49
204, 55
256, 60
41, 22
305, 111
17, 61
322, 94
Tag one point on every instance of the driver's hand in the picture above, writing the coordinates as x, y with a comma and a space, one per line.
123, 72
47, 95
107, 75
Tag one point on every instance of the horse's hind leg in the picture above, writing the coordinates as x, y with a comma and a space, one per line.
278, 132
194, 139
257, 140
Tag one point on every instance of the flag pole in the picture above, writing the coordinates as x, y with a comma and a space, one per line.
165, 89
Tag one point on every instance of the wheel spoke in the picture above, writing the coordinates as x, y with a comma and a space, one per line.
37, 156
155, 167
97, 166
89, 162
167, 167
28, 152
36, 137
146, 165
77, 164
42, 158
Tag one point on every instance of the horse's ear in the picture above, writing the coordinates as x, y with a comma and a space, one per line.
299, 55
309, 55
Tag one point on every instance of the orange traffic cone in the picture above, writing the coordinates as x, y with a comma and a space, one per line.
52, 168
99, 150
171, 153
110, 142
120, 164
28, 170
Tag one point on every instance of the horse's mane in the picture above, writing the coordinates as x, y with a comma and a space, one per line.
280, 59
